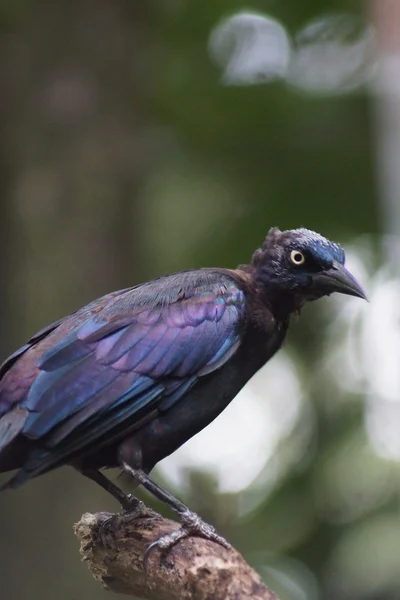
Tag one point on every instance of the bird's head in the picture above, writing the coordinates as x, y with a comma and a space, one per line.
303, 265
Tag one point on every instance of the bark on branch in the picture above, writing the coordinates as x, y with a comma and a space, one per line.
194, 569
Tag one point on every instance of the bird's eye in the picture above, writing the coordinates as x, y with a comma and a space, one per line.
297, 257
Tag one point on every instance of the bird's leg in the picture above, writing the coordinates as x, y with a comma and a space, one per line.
128, 502
191, 523
131, 505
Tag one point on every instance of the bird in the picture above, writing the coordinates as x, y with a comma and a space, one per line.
129, 378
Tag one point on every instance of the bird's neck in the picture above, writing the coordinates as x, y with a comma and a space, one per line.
270, 294
281, 302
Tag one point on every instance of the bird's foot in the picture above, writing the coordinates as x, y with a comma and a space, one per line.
133, 508
192, 524
131, 504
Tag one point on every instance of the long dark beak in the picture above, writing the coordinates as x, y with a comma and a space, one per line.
337, 279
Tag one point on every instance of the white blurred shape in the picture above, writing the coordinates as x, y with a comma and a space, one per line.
332, 54
381, 339
383, 427
387, 80
251, 48
380, 350
368, 359
238, 445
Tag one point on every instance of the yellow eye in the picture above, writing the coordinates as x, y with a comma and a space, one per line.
297, 257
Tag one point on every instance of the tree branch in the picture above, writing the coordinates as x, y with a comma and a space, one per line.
194, 569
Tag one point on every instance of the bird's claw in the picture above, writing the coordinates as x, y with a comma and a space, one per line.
133, 508
192, 524
104, 534
131, 504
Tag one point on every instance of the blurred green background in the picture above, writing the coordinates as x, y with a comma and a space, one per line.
139, 138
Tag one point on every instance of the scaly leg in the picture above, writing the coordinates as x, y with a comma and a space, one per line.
128, 502
192, 524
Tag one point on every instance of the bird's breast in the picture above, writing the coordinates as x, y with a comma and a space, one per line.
208, 398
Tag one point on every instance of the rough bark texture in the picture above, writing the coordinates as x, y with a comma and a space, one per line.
195, 569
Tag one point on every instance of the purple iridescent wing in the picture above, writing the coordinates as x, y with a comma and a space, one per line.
142, 352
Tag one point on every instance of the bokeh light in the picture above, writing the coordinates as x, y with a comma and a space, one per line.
251, 48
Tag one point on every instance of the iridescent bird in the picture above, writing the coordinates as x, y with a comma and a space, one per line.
128, 379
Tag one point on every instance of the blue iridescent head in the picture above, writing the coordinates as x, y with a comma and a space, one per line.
304, 264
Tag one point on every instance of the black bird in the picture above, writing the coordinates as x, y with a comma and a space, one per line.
128, 379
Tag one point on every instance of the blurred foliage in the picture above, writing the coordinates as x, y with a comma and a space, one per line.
122, 157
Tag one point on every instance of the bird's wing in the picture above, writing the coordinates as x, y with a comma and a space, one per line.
7, 364
133, 357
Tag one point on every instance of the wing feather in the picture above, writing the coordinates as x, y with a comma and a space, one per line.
126, 360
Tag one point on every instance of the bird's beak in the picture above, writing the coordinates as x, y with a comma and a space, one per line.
337, 279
